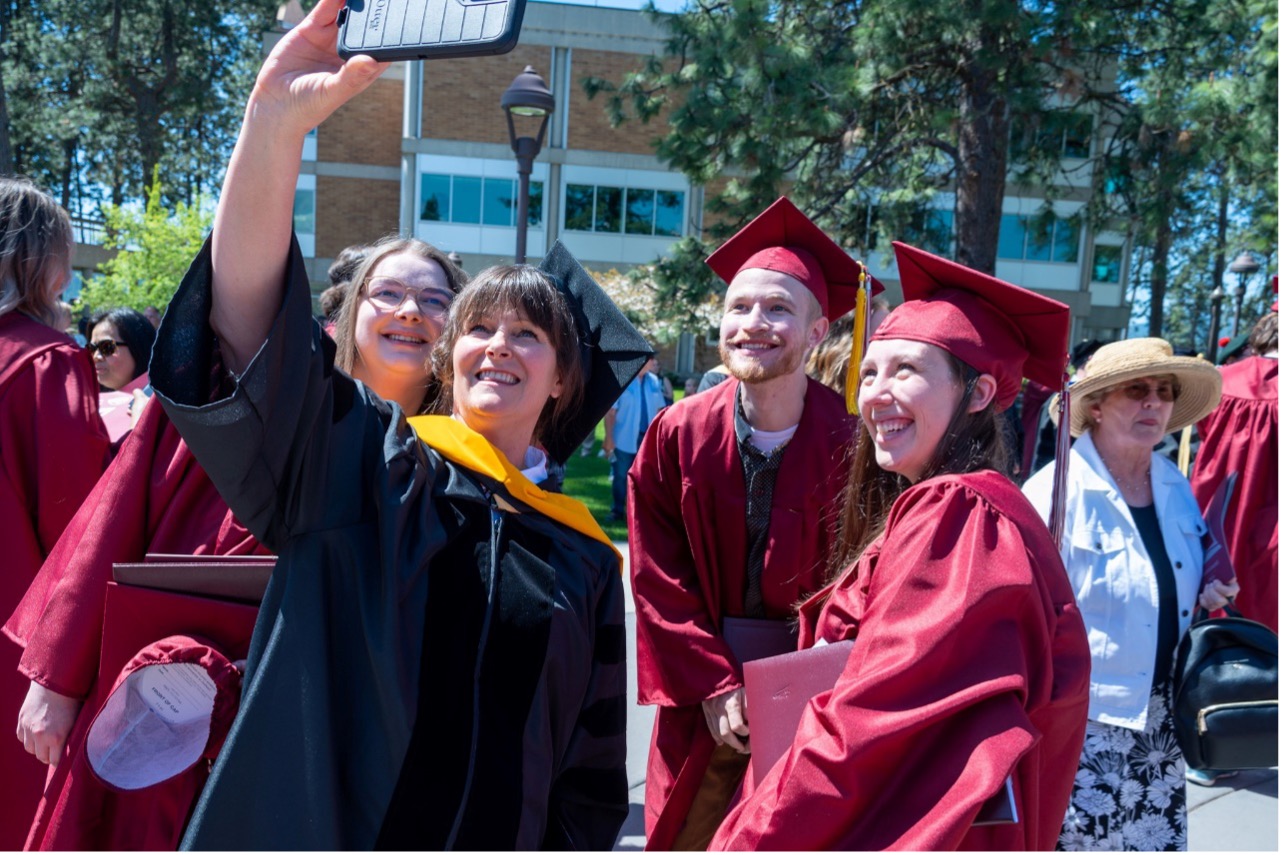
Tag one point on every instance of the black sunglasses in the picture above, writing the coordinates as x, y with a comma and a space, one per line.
106, 347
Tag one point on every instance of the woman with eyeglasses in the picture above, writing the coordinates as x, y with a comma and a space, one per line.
53, 445
1133, 548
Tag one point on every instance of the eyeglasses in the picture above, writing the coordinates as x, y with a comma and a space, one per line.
1138, 390
390, 294
106, 347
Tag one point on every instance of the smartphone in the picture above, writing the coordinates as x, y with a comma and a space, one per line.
392, 30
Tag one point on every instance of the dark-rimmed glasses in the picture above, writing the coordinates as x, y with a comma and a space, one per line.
1139, 390
390, 294
106, 347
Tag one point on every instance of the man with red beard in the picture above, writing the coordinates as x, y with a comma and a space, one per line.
734, 502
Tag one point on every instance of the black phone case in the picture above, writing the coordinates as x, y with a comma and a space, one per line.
392, 30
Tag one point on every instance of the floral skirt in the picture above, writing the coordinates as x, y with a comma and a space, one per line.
1129, 793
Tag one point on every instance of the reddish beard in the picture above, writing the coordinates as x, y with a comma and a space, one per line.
747, 369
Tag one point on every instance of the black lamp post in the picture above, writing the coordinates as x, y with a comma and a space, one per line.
1214, 337
1243, 267
527, 96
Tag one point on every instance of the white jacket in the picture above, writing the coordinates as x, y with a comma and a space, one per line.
1113, 577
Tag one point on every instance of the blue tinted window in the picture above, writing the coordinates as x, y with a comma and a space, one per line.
1011, 237
579, 201
1038, 241
435, 191
466, 204
305, 211
610, 209
639, 212
1108, 264
1066, 242
668, 212
534, 214
499, 201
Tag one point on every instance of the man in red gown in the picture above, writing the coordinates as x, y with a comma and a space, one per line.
1242, 435
53, 447
733, 502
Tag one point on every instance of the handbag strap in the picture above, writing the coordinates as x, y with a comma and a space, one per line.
1201, 614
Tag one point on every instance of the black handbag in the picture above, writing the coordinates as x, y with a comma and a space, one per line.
1226, 693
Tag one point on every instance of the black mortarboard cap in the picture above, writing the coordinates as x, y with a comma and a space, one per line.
611, 350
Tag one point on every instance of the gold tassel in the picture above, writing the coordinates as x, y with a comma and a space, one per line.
859, 342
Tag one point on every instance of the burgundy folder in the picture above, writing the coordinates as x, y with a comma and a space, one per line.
778, 689
242, 578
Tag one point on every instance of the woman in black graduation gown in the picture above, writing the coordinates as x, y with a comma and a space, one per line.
439, 659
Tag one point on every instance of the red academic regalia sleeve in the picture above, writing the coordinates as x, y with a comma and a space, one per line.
928, 718
59, 620
681, 657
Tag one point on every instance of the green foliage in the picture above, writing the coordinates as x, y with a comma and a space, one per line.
155, 245
95, 94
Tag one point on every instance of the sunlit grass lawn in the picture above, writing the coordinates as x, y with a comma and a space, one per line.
588, 480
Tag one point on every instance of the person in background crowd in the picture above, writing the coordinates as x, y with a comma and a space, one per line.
879, 309
691, 386
1242, 435
712, 377
120, 341
152, 314
664, 382
1133, 549
626, 424
157, 499
53, 445
732, 512
969, 666
340, 272
830, 359
439, 657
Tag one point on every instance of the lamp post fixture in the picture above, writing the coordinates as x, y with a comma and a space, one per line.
1243, 267
1214, 337
527, 96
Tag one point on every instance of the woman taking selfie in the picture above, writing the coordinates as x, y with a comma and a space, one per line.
439, 658
1133, 549
53, 445
969, 664
155, 498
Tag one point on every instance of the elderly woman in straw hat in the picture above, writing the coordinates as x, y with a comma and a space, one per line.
1133, 549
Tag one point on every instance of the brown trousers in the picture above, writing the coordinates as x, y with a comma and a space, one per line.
725, 770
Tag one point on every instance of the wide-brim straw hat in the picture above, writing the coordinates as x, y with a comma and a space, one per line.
1116, 363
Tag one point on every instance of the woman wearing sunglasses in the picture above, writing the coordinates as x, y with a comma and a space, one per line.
1133, 549
120, 342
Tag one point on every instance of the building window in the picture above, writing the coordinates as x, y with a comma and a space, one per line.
630, 210
1058, 134
305, 211
1107, 264
472, 200
1038, 239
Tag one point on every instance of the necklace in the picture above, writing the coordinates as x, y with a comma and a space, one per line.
1138, 486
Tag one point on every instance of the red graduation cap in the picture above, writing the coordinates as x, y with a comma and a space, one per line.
783, 239
995, 327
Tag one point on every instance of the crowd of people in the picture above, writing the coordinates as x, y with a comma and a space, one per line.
439, 657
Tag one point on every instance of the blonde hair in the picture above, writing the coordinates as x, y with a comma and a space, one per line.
35, 251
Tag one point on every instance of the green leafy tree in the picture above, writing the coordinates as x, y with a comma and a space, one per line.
96, 94
155, 246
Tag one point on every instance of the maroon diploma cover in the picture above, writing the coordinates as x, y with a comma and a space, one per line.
778, 688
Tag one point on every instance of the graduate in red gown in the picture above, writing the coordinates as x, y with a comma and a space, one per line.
153, 498
1242, 435
53, 445
970, 662
732, 512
